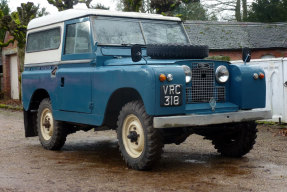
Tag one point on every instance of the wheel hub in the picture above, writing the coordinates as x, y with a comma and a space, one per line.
47, 125
133, 136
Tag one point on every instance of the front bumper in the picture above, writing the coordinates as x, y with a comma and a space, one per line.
210, 119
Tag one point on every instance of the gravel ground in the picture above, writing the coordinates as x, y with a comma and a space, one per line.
90, 161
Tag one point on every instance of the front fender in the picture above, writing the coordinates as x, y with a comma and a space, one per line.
245, 91
109, 79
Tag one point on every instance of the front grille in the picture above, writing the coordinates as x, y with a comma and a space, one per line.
203, 85
220, 94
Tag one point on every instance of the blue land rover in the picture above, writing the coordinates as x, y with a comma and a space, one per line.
139, 75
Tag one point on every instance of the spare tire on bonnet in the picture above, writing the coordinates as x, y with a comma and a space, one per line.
169, 51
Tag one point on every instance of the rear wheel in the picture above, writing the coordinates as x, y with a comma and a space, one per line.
237, 140
139, 143
52, 135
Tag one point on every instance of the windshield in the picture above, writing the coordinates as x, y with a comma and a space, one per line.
166, 32
119, 31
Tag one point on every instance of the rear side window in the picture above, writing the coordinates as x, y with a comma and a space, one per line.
78, 38
44, 40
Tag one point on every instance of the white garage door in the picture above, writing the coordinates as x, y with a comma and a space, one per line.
14, 77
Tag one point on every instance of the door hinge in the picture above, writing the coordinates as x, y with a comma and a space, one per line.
91, 106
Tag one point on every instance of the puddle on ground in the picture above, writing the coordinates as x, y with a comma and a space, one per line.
104, 155
99, 159
194, 161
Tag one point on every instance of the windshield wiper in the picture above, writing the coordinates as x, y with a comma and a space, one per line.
130, 44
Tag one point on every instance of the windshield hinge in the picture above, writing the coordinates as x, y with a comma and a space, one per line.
93, 62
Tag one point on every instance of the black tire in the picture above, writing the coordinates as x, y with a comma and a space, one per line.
146, 148
168, 51
55, 139
236, 142
175, 135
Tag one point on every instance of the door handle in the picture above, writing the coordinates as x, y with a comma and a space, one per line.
53, 72
285, 84
62, 81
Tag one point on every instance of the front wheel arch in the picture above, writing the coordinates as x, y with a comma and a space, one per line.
117, 100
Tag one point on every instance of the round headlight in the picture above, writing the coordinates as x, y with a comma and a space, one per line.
221, 74
187, 72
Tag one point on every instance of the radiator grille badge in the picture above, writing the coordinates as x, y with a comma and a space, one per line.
212, 103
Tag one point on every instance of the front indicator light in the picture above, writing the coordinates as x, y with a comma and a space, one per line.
261, 75
162, 77
221, 74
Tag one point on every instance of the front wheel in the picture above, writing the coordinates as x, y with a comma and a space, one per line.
236, 140
52, 134
139, 143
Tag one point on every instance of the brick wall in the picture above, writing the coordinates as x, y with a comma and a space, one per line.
255, 54
1, 74
7, 52
6, 76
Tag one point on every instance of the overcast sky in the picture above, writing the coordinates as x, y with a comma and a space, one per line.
13, 4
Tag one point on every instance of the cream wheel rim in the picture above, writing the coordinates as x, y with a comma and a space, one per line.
47, 124
133, 136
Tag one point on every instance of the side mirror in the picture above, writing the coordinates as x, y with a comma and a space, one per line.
136, 52
246, 54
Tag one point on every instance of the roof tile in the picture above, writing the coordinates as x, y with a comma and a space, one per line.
235, 35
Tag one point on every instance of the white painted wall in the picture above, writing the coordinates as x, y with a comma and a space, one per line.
276, 93
285, 89
14, 77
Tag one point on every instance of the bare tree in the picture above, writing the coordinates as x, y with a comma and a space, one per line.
244, 7
68, 4
238, 8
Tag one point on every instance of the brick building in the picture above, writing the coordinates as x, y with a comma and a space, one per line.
228, 38
11, 69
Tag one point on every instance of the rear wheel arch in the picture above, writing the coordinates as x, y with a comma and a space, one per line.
37, 97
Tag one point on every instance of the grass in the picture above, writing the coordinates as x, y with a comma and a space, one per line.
11, 105
266, 122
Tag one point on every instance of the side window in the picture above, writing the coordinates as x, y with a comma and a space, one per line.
78, 38
44, 40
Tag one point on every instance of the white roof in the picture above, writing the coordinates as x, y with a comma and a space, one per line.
76, 13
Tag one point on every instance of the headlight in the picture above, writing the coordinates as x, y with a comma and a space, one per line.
221, 74
187, 72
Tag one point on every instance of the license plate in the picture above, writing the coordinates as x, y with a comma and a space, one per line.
171, 95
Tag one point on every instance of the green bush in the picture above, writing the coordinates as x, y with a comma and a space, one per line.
219, 58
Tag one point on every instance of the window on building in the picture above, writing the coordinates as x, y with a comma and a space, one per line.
44, 40
268, 56
78, 38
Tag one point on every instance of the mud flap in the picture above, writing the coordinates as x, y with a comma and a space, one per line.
30, 124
